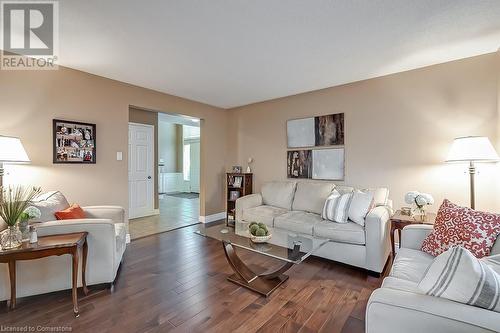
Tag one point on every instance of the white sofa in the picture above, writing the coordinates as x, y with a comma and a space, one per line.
297, 207
399, 307
106, 244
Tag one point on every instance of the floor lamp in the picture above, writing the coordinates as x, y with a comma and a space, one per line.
11, 151
472, 149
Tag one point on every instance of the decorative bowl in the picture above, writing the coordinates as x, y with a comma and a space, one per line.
260, 239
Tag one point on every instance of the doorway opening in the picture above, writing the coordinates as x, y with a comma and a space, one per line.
175, 175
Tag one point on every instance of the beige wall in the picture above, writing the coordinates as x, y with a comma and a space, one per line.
170, 146
398, 129
29, 100
138, 116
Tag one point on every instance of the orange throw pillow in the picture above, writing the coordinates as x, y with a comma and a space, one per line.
71, 213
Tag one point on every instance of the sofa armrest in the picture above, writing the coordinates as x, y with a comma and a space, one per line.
412, 313
377, 229
101, 236
413, 235
248, 201
114, 213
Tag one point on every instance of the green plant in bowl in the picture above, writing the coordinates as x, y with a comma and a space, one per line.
258, 229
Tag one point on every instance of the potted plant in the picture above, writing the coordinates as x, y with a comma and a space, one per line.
259, 232
419, 201
13, 202
29, 213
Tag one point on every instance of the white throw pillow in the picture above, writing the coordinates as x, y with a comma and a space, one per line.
336, 207
49, 203
459, 276
380, 195
361, 204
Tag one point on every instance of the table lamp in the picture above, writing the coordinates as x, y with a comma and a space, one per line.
472, 149
11, 151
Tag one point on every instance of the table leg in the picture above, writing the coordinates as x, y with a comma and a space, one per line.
85, 250
392, 244
399, 238
74, 255
12, 276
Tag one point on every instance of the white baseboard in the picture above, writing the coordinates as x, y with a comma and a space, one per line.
213, 217
127, 239
152, 213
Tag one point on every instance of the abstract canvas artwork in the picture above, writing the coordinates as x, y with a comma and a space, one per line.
316, 131
299, 164
74, 142
329, 130
321, 164
328, 164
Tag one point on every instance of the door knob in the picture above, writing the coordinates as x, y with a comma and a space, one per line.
149, 177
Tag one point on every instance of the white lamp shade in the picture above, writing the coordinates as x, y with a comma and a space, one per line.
472, 148
12, 150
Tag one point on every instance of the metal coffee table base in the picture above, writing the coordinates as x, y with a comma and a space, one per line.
263, 283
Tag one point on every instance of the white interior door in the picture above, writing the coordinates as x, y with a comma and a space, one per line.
140, 170
194, 172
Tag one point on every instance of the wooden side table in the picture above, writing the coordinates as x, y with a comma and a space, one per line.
47, 246
399, 221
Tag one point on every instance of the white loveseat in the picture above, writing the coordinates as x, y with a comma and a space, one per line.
297, 207
398, 306
106, 244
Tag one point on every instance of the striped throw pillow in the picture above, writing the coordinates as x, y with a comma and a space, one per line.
336, 207
459, 276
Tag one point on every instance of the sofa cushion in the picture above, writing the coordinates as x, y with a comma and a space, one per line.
361, 203
297, 221
410, 264
349, 232
400, 284
311, 196
49, 203
262, 214
344, 189
380, 196
71, 213
455, 225
459, 276
336, 207
278, 194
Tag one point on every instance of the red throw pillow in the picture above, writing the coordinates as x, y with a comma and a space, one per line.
71, 213
455, 225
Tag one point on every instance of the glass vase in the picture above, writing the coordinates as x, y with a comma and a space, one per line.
11, 238
24, 228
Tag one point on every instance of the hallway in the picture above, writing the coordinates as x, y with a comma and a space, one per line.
176, 210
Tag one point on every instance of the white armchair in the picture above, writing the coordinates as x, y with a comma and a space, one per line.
106, 245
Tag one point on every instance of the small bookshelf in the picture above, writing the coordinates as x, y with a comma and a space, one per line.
237, 185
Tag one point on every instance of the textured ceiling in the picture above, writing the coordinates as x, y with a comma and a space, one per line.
229, 53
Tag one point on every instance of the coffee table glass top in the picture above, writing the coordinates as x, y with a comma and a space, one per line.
240, 237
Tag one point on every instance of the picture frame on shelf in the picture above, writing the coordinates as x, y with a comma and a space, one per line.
233, 195
237, 181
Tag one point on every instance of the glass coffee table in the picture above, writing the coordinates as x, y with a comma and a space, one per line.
289, 247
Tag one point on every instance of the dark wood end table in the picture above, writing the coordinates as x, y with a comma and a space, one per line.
399, 221
54, 245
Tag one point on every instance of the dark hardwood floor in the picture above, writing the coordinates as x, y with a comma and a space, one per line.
176, 282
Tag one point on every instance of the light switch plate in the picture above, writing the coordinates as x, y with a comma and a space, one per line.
119, 156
